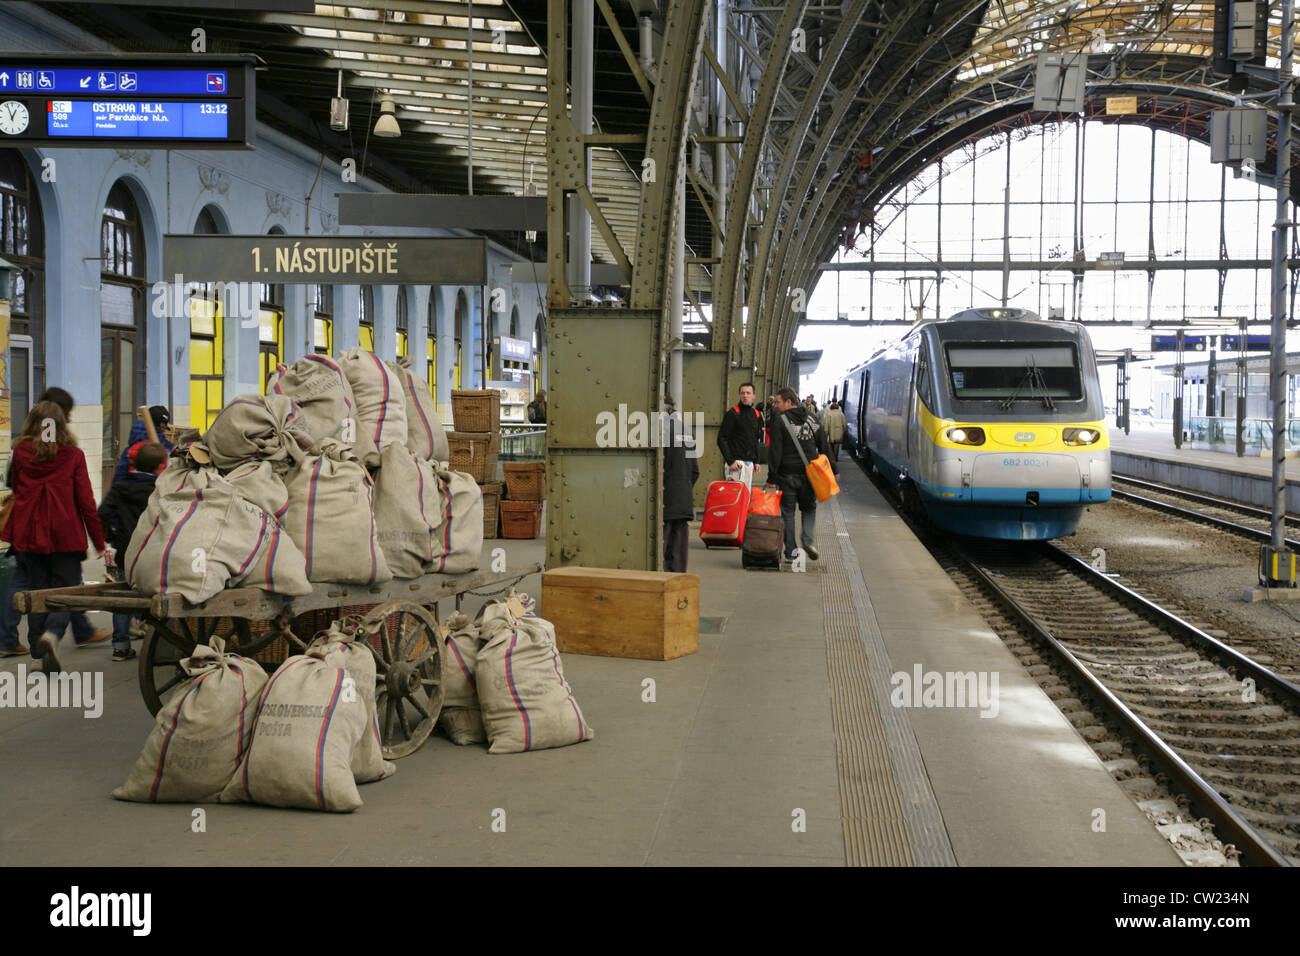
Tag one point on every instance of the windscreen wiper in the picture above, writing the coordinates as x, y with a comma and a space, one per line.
1006, 403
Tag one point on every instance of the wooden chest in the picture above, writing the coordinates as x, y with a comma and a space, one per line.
651, 615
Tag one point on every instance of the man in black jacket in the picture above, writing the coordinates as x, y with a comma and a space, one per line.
787, 467
120, 512
680, 474
741, 439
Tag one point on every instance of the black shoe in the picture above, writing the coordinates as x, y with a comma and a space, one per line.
49, 648
124, 655
811, 552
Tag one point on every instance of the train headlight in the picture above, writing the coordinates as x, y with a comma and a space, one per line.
1081, 436
965, 435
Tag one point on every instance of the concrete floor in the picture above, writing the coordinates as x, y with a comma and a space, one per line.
740, 736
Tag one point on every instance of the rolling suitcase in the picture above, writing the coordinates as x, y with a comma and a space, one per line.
764, 541
725, 509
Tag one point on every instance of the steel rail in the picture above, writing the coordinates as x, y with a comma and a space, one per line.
1201, 498
1205, 800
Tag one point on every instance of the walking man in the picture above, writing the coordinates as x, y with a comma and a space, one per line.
795, 423
741, 438
835, 424
680, 474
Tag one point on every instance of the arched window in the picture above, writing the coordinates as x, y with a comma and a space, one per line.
462, 307
207, 366
403, 321
366, 327
22, 242
514, 322
121, 313
322, 334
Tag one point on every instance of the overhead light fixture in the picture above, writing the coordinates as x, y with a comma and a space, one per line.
339, 109
386, 125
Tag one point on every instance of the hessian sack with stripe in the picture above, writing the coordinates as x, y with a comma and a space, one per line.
409, 510
526, 702
461, 719
458, 540
266, 427
339, 647
197, 541
309, 722
201, 732
324, 397
381, 407
424, 432
331, 518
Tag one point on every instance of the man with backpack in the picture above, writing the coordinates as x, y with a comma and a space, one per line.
120, 512
794, 422
742, 439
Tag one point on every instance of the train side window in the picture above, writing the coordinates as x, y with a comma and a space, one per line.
923, 389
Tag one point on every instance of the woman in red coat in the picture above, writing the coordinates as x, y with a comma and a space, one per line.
54, 508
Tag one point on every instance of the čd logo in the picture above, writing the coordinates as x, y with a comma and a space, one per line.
1024, 436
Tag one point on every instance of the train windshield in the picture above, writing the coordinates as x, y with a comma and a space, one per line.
997, 371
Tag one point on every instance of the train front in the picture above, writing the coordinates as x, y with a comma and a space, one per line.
1018, 431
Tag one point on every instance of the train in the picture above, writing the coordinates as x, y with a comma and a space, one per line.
989, 423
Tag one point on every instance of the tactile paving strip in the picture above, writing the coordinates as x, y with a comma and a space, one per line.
891, 816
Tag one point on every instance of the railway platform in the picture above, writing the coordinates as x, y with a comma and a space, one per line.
777, 743
1150, 455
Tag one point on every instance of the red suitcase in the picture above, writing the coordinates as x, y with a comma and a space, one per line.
725, 510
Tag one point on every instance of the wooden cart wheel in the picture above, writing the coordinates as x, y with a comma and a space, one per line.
171, 641
409, 680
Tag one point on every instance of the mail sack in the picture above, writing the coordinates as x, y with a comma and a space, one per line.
266, 427
381, 406
324, 397
340, 647
331, 518
409, 510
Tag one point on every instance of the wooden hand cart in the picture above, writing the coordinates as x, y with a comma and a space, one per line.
399, 620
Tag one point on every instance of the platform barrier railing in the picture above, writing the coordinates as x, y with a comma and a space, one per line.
1220, 434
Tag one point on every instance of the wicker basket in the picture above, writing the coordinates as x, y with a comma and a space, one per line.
491, 499
476, 410
521, 519
475, 453
526, 481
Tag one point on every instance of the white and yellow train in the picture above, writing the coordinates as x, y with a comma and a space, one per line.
991, 422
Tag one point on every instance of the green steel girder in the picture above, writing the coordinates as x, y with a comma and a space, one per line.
742, 185
880, 96
666, 145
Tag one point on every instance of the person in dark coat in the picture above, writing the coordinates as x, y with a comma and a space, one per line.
681, 471
787, 469
54, 509
161, 420
83, 632
120, 512
741, 438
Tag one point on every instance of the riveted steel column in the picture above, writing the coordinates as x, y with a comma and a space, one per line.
606, 366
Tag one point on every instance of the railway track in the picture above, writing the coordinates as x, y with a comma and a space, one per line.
1232, 516
1221, 730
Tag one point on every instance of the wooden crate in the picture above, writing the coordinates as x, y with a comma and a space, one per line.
520, 519
650, 615
526, 481
491, 499
475, 453
476, 410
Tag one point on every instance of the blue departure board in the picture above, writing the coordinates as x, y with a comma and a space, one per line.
144, 119
157, 101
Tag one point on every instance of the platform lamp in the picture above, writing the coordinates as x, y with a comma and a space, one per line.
386, 125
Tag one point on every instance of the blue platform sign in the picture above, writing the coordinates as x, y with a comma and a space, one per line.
1169, 343
1253, 343
100, 100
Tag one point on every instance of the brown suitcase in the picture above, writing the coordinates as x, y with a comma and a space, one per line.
764, 542
650, 615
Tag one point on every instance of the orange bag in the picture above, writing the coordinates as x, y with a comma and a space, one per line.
820, 474
822, 478
764, 502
